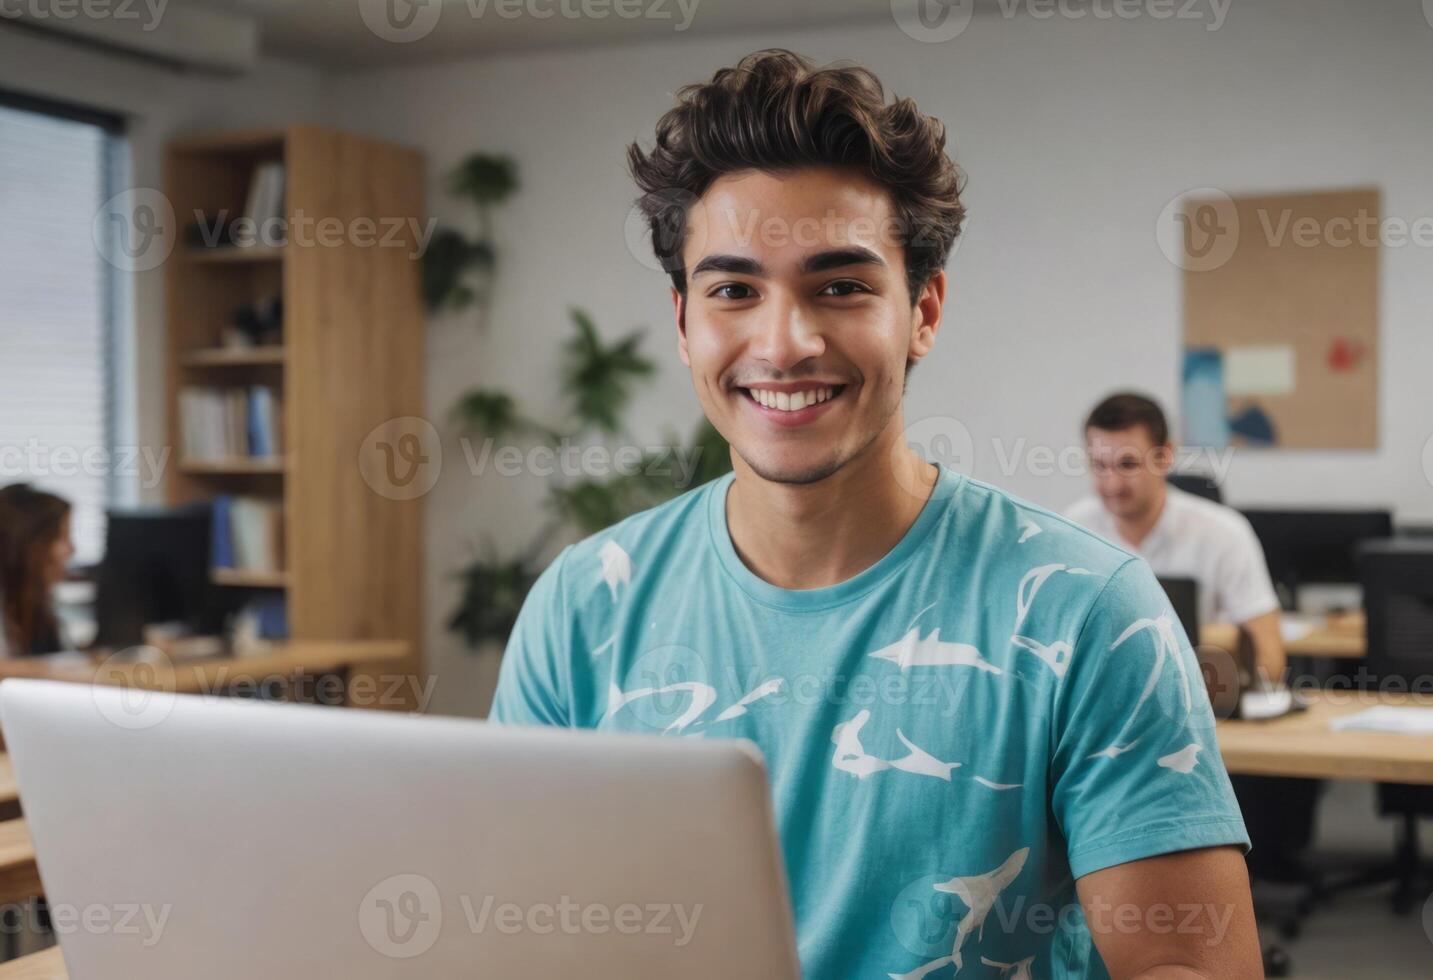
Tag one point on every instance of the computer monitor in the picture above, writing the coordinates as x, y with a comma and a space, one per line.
155, 569
1197, 484
1184, 597
1315, 547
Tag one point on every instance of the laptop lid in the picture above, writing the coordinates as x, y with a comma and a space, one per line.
237, 839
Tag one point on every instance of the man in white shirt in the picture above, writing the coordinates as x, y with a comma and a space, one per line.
1178, 534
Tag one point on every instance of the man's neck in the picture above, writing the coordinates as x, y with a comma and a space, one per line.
1136, 529
810, 536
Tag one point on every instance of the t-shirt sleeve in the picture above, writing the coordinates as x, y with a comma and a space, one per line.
1245, 590
1137, 771
532, 683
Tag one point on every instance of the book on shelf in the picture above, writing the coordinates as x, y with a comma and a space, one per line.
248, 534
265, 204
223, 423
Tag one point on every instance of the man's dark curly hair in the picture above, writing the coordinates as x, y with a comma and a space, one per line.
775, 111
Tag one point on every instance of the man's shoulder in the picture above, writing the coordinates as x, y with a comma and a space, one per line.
1201, 514
1036, 535
609, 553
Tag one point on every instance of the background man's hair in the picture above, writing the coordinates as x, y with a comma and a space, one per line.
1126, 410
776, 111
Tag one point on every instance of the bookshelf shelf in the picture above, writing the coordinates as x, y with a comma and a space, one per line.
233, 356
235, 254
235, 465
240, 578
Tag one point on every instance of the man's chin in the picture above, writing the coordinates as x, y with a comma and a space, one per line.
793, 472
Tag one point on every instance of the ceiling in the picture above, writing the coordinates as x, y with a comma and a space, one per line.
368, 33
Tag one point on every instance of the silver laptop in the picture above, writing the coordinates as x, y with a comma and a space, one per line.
184, 836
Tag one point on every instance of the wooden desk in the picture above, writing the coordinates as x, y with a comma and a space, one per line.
19, 877
9, 792
47, 965
1344, 637
297, 662
1303, 745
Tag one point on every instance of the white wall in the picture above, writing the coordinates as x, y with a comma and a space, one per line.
159, 103
1074, 134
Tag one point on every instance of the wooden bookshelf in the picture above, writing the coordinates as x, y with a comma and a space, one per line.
351, 359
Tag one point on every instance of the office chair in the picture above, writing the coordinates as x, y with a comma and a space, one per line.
1197, 484
1397, 576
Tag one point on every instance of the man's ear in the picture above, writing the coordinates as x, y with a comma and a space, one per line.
1164, 458
925, 317
679, 307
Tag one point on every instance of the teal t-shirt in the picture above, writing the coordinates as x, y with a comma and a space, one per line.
1001, 704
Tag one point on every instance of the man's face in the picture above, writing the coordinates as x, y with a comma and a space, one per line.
1128, 469
797, 323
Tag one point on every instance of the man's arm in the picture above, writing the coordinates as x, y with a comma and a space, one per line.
1181, 916
1270, 661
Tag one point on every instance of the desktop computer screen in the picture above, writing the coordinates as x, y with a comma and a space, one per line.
1315, 547
155, 569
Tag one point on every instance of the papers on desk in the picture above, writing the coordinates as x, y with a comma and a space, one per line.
1295, 627
1399, 719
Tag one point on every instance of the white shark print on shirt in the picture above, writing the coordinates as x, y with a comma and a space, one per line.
1056, 655
851, 756
1182, 761
703, 697
913, 651
616, 566
1019, 970
1112, 751
1030, 585
1028, 529
979, 893
763, 690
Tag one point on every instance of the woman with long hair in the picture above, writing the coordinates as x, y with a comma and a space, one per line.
35, 549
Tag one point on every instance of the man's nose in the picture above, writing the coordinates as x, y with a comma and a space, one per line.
787, 335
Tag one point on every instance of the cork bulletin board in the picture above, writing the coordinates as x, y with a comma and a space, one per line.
1281, 331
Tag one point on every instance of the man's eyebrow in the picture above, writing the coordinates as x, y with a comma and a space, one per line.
737, 264
819, 262
837, 257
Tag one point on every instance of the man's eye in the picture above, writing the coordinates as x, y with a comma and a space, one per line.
844, 287
732, 290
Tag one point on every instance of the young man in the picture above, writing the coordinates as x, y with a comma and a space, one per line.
990, 749
1179, 534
